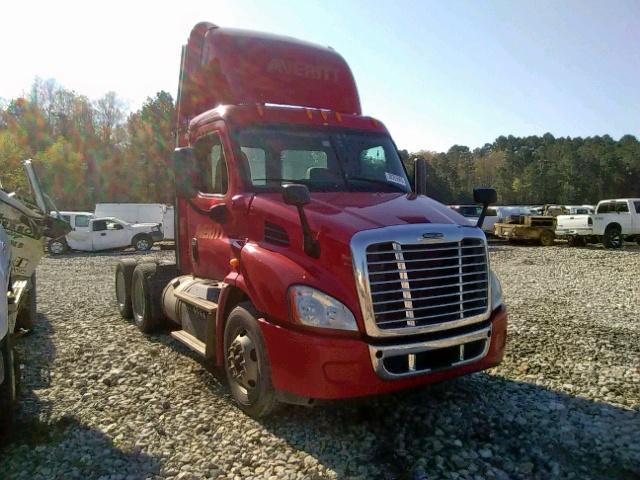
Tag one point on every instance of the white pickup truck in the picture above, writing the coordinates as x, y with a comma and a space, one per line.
613, 222
108, 233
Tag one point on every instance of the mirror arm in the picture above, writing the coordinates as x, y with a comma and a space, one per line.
310, 244
485, 207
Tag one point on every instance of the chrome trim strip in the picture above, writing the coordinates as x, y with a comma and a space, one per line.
410, 235
379, 353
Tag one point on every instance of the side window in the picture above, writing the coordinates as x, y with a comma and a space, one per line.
82, 220
66, 218
257, 160
214, 176
605, 208
99, 225
637, 205
622, 207
303, 164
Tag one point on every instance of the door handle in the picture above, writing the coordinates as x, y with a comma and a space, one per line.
103, 234
194, 250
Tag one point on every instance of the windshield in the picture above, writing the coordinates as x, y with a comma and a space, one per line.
323, 161
469, 211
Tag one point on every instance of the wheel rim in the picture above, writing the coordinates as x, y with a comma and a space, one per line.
142, 244
138, 301
615, 238
242, 362
120, 289
56, 248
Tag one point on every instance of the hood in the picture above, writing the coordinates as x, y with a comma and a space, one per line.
340, 215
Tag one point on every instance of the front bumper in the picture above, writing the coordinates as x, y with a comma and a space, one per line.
323, 367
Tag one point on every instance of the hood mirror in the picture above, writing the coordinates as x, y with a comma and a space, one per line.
299, 196
485, 197
296, 194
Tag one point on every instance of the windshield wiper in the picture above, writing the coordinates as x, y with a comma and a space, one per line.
379, 182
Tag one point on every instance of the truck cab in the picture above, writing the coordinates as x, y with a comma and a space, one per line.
307, 265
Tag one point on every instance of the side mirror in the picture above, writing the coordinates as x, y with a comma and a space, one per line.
484, 196
184, 165
420, 176
296, 194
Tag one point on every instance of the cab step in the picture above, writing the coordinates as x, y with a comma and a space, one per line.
190, 341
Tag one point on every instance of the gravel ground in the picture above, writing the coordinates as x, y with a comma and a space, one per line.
102, 401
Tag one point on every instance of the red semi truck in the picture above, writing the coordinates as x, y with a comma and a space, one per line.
307, 266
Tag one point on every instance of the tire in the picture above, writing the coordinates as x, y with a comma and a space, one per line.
246, 363
142, 243
547, 238
124, 275
57, 246
27, 315
147, 283
10, 386
612, 237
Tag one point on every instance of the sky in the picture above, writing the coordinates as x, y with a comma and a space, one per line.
437, 73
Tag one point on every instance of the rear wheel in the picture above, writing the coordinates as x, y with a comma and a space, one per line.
124, 275
612, 237
246, 362
547, 238
147, 283
143, 243
9, 386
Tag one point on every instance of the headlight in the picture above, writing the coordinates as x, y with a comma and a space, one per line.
316, 309
496, 291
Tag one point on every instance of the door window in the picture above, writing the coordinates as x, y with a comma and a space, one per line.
606, 208
212, 164
637, 205
99, 225
114, 226
82, 220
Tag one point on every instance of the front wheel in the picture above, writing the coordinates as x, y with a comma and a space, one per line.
246, 363
612, 237
9, 386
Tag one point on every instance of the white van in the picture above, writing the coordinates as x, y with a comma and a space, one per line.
140, 213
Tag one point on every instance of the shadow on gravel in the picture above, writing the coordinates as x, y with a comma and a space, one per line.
479, 425
67, 449
40, 447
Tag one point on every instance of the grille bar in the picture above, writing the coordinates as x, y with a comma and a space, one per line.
415, 285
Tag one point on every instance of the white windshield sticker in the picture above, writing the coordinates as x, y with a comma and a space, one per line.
395, 179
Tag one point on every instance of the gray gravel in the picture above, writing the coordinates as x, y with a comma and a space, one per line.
102, 401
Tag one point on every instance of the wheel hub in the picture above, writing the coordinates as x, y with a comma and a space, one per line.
242, 361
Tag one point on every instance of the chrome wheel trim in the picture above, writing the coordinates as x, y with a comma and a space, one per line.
242, 362
142, 244
56, 247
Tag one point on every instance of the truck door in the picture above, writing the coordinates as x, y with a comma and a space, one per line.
108, 234
624, 216
210, 240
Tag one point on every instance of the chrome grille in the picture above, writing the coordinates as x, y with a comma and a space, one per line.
420, 285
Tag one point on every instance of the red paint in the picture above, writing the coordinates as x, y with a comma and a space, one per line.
229, 79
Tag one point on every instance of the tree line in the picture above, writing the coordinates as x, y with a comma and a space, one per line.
94, 151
